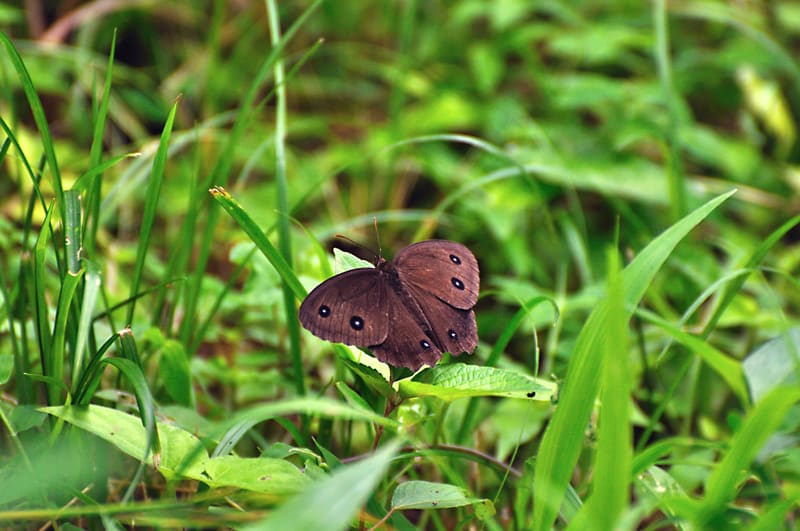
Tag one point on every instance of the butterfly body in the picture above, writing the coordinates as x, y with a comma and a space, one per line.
408, 311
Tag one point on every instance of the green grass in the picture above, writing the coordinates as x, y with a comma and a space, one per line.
173, 176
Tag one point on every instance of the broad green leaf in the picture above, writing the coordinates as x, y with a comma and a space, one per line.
450, 382
346, 261
259, 474
374, 373
127, 433
183, 455
429, 495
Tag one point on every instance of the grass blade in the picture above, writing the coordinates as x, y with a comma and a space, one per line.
564, 434
614, 455
260, 239
38, 116
759, 425
219, 174
41, 314
95, 156
150, 205
281, 189
335, 500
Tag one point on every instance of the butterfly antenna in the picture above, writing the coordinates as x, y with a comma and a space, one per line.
351, 240
377, 236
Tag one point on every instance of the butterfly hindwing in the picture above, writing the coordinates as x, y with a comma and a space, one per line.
454, 329
349, 308
407, 343
445, 269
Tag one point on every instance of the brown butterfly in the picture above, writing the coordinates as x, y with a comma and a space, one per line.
408, 311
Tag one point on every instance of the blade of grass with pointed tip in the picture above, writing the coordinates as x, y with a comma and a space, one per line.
334, 502
260, 239
134, 375
721, 303
150, 206
89, 379
94, 188
613, 458
38, 116
563, 438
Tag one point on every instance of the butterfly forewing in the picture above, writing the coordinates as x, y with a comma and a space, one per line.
445, 269
349, 308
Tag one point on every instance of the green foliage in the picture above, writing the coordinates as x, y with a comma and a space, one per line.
173, 178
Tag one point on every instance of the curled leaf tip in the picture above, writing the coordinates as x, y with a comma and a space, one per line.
218, 190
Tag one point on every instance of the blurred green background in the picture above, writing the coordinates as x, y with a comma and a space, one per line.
539, 134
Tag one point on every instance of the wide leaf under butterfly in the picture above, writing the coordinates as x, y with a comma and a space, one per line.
408, 311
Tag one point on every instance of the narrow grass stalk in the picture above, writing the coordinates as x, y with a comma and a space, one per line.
284, 234
177, 264
219, 174
92, 219
131, 368
91, 291
41, 314
675, 173
614, 453
69, 285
